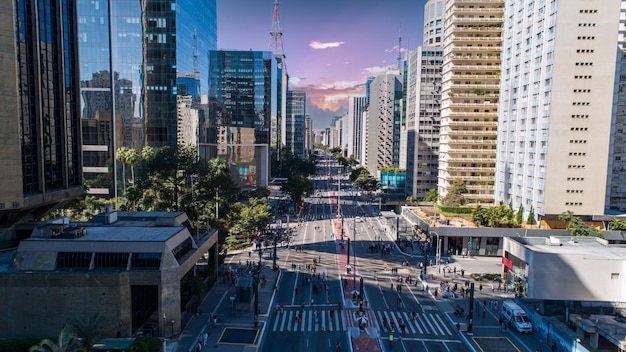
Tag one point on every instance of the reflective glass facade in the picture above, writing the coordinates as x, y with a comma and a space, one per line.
47, 77
241, 86
296, 110
157, 51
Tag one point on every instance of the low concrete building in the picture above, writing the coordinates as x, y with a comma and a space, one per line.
127, 267
565, 268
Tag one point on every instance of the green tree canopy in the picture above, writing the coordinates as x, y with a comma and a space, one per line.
432, 195
66, 342
577, 226
456, 194
253, 217
617, 224
296, 187
367, 183
360, 171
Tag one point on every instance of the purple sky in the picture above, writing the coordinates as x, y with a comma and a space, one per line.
331, 46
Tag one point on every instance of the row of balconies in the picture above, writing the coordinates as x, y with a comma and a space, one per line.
460, 141
472, 123
465, 114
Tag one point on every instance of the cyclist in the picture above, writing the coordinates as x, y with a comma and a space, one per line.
337, 346
384, 321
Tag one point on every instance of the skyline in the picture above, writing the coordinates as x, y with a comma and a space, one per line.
330, 47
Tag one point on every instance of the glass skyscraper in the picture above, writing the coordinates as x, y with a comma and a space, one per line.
39, 119
137, 58
242, 85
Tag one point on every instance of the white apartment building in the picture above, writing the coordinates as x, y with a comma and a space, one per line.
469, 106
356, 106
556, 105
433, 22
383, 123
423, 96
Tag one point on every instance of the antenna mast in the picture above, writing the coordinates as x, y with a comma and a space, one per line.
399, 53
276, 38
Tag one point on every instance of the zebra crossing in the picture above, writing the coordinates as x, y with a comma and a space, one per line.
311, 319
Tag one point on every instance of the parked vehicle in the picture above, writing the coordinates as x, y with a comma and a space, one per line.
516, 316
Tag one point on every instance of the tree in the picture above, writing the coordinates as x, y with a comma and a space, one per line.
253, 217
146, 344
66, 342
530, 220
360, 171
432, 195
367, 184
577, 226
90, 331
297, 186
455, 196
519, 216
617, 224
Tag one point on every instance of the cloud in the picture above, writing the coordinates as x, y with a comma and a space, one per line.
395, 50
294, 80
332, 96
377, 70
319, 45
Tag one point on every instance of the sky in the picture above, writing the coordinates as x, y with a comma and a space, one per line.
331, 46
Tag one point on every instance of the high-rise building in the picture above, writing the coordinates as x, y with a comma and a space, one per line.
423, 119
433, 23
469, 103
241, 87
143, 67
40, 117
383, 123
559, 124
294, 124
616, 185
308, 135
356, 107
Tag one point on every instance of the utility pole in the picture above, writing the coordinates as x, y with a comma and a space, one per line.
470, 315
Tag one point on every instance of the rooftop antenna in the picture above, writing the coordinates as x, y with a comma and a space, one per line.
400, 51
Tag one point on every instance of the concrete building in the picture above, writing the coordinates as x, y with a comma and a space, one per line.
308, 135
565, 268
556, 99
40, 151
383, 123
469, 103
356, 107
422, 119
433, 23
294, 124
129, 267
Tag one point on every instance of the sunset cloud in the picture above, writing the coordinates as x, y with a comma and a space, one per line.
377, 70
332, 96
319, 45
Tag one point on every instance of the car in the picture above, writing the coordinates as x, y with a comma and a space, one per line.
358, 219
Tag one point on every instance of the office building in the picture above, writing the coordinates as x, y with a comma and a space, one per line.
356, 107
241, 87
433, 23
423, 119
294, 124
308, 135
383, 122
469, 102
142, 64
40, 116
127, 267
558, 120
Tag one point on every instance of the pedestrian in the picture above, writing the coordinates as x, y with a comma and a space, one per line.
205, 339
480, 288
484, 313
214, 319
501, 321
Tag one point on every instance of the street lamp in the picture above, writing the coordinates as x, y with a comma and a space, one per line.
279, 225
437, 255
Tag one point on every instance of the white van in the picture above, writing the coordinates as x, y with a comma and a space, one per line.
515, 315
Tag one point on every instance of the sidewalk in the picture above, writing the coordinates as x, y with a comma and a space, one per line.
485, 328
217, 302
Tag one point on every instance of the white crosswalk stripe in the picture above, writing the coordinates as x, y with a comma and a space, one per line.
424, 324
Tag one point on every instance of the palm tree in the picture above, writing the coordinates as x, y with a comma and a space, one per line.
90, 331
67, 342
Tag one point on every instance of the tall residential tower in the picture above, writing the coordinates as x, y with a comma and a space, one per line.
469, 102
557, 120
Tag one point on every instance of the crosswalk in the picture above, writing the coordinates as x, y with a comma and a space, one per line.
311, 319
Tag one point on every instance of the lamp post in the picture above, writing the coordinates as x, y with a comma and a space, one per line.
437, 255
279, 225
